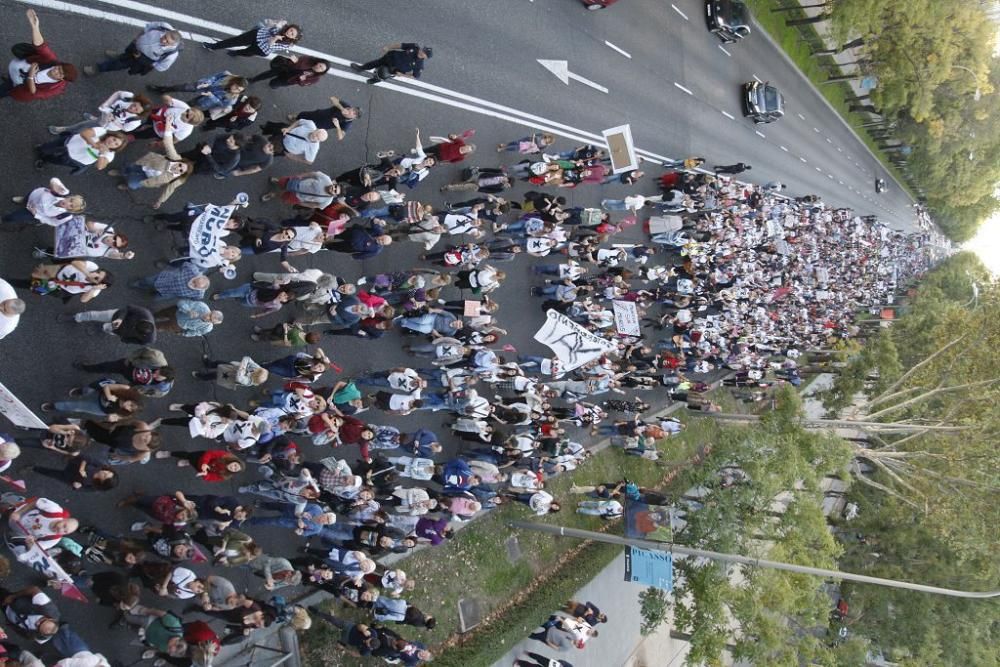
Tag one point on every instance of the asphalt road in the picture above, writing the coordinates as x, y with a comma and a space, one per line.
484, 50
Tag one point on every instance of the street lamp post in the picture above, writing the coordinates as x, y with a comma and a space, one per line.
747, 560
979, 93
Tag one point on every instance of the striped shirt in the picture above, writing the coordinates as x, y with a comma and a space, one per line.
265, 32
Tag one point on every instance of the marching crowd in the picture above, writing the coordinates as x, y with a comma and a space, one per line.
730, 277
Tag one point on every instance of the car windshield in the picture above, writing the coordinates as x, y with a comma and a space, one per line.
771, 98
736, 13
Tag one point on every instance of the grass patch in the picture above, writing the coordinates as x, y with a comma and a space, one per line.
475, 564
795, 41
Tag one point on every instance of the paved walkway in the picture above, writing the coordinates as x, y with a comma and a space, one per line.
619, 638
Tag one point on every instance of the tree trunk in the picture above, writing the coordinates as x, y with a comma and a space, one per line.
819, 18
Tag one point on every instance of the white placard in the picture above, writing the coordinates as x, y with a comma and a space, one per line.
572, 344
17, 412
206, 230
626, 318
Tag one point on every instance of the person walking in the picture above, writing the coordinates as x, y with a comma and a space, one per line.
219, 91
188, 318
155, 48
51, 205
733, 169
337, 117
269, 36
405, 59
181, 280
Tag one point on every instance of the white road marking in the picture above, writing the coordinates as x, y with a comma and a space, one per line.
819, 170
830, 176
757, 78
683, 15
683, 88
839, 149
618, 49
728, 115
816, 129
800, 116
828, 140
805, 161
560, 68
841, 182
760, 134
783, 148
723, 49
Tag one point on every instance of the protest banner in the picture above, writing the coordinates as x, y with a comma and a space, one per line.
626, 318
571, 343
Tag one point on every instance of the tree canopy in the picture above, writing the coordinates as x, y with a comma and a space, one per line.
930, 57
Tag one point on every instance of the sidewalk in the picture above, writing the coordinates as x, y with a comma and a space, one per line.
618, 640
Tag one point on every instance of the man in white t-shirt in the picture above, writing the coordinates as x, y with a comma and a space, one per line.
11, 308
301, 141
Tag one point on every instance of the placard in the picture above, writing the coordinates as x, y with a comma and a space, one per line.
650, 568
621, 149
17, 412
626, 318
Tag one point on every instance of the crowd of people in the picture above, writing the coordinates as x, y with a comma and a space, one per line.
731, 277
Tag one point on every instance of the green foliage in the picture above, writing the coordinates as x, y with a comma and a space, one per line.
930, 57
654, 605
784, 464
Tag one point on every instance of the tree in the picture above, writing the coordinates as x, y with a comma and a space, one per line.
759, 615
654, 607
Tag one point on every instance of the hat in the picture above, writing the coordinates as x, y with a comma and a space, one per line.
428, 50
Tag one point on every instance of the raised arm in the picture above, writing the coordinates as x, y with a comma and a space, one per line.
36, 32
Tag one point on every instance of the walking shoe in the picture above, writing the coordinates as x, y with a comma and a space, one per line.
75, 392
162, 454
137, 526
89, 70
47, 407
111, 53
55, 129
357, 67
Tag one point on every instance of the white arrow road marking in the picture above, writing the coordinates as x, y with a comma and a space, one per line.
561, 69
618, 49
683, 88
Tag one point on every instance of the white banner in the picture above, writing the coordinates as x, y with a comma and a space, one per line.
17, 412
206, 230
626, 318
572, 344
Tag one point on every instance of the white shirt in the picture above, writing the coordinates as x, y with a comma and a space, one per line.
297, 141
84, 153
7, 322
44, 202
404, 380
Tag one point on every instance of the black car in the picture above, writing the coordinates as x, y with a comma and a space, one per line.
729, 19
879, 185
762, 102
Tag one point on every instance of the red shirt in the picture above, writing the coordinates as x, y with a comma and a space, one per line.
45, 57
450, 151
216, 468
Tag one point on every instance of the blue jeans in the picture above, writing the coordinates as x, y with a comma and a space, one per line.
375, 212
134, 176
373, 381
613, 205
546, 269
89, 403
241, 293
285, 367
436, 401
531, 361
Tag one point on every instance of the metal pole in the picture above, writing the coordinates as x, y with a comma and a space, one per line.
746, 560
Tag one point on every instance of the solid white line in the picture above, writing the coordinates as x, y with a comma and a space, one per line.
683, 88
758, 78
728, 115
723, 49
783, 148
683, 15
760, 134
618, 49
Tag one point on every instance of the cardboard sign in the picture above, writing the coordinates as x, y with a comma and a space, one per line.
621, 149
626, 318
17, 412
471, 309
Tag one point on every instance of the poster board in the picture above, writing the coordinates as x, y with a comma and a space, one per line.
626, 318
17, 412
621, 149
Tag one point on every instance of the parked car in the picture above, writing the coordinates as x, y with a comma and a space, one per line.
597, 4
729, 19
762, 102
879, 185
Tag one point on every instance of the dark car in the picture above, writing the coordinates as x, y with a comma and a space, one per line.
879, 185
762, 102
729, 19
597, 4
